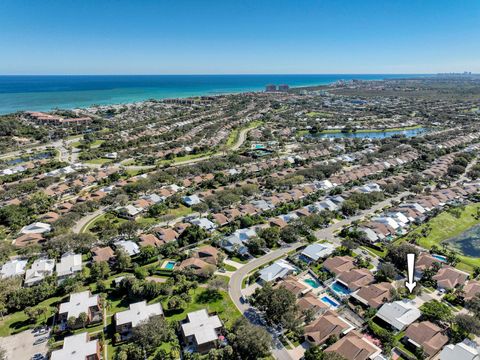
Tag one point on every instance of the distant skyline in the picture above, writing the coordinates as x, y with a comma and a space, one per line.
239, 37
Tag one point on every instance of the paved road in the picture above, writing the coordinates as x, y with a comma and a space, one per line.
86, 219
235, 284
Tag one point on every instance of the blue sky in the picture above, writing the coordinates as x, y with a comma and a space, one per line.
238, 36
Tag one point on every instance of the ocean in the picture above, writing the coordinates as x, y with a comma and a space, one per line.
44, 93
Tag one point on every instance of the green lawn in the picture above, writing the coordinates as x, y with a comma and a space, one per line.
374, 251
229, 267
223, 306
445, 226
100, 161
18, 321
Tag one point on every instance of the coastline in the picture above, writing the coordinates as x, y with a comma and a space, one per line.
46, 93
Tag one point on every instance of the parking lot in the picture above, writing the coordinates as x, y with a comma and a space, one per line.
21, 347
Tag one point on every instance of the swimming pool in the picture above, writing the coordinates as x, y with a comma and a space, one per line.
440, 257
340, 289
312, 282
329, 302
169, 265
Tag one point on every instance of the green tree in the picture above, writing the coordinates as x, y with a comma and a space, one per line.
249, 341
434, 310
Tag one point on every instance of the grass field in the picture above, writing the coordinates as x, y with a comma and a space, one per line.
233, 136
445, 226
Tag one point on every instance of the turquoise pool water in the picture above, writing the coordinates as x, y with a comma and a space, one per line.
340, 289
329, 301
312, 283
169, 265
440, 257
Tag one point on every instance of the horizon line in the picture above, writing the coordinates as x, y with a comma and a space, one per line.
238, 74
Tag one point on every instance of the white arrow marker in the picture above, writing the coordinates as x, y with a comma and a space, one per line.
410, 284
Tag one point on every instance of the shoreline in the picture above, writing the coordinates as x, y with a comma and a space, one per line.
77, 92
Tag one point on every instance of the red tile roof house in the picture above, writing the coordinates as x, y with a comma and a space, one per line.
356, 278
166, 234
103, 254
374, 295
292, 284
208, 254
449, 278
29, 239
328, 324
426, 335
471, 290
220, 219
150, 240
311, 302
423, 262
339, 264
354, 346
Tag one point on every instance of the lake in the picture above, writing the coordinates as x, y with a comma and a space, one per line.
468, 242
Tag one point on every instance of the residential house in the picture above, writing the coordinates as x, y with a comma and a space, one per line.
278, 270
149, 240
78, 347
137, 313
374, 295
356, 278
36, 228
354, 346
103, 254
449, 278
471, 290
316, 251
204, 223
339, 264
398, 314
197, 266
201, 331
423, 262
311, 302
426, 335
39, 270
292, 284
327, 325
128, 246
466, 350
191, 200
13, 268
81, 302
28, 239
69, 265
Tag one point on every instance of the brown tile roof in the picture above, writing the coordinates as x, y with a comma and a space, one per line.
28, 239
427, 335
149, 239
325, 326
356, 278
292, 284
375, 295
208, 253
339, 264
102, 253
311, 301
353, 347
449, 277
471, 290
424, 261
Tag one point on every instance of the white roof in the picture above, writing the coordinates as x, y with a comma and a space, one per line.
36, 228
278, 269
137, 313
13, 268
203, 223
75, 347
69, 263
129, 246
202, 326
317, 251
399, 314
40, 268
466, 350
78, 303
191, 200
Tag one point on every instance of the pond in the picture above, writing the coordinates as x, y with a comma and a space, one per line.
468, 242
372, 134
26, 158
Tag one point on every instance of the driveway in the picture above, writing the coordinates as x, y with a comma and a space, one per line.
20, 346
